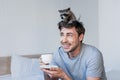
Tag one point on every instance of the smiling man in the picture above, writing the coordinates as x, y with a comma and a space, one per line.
75, 59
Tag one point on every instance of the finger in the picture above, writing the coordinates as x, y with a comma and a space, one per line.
54, 69
52, 72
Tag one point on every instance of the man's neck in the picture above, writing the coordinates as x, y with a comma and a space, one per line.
75, 53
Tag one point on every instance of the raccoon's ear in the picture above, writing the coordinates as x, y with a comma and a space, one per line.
59, 10
68, 8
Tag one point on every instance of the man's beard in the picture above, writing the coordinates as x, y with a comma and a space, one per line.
72, 49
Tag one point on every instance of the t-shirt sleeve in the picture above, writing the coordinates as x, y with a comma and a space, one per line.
95, 65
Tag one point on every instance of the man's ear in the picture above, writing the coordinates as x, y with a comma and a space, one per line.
81, 37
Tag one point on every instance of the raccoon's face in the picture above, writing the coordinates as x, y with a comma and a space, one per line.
63, 16
65, 12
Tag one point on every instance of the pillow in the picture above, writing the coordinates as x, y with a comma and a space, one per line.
35, 77
23, 67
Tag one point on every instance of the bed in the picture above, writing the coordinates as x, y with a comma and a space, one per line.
26, 67
21, 67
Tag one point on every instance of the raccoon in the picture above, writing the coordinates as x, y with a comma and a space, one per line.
67, 15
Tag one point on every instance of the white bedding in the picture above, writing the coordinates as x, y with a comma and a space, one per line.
6, 77
23, 68
35, 77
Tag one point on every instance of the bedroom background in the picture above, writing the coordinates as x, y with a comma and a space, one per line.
30, 26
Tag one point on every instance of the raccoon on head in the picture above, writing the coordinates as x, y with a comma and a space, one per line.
67, 15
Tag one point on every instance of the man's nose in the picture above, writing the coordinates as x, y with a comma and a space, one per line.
64, 39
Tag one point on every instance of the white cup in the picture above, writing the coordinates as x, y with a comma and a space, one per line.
46, 58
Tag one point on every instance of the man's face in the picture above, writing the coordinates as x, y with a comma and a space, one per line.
70, 40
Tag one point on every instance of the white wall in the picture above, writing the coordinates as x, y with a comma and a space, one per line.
27, 26
30, 26
109, 30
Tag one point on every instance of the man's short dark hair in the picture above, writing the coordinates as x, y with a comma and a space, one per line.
78, 26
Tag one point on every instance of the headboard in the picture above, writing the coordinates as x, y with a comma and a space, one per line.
5, 63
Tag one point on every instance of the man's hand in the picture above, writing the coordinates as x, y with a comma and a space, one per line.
56, 72
93, 78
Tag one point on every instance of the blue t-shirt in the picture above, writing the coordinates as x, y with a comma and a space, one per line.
89, 63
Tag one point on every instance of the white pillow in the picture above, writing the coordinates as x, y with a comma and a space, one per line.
35, 77
22, 67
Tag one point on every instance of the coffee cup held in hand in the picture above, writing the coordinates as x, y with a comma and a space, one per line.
45, 59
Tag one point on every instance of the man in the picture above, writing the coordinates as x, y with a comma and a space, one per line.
76, 60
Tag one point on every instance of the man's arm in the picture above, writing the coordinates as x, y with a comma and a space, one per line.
91, 78
95, 66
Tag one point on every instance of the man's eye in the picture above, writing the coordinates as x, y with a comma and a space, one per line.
61, 34
70, 35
